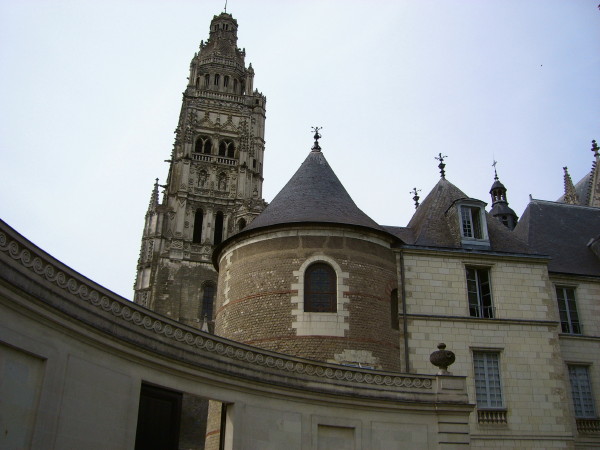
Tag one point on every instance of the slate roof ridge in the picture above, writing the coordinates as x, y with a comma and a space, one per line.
562, 204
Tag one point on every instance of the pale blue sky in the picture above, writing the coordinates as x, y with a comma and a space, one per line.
91, 91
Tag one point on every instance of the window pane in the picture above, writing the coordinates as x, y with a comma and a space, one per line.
488, 390
320, 288
581, 391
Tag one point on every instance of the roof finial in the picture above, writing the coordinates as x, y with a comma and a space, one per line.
595, 148
495, 173
316, 147
225, 6
441, 165
416, 197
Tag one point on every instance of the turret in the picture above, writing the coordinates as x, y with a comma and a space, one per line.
500, 209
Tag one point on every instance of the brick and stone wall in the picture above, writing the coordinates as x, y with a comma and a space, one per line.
260, 296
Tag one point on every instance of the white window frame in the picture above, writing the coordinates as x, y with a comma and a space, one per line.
570, 312
488, 378
466, 215
480, 305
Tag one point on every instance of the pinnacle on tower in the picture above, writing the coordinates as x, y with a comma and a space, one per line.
570, 193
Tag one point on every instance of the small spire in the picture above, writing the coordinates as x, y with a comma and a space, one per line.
595, 148
225, 6
570, 193
416, 197
495, 173
154, 196
441, 165
316, 147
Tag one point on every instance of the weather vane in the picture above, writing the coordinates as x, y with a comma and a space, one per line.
316, 147
225, 6
441, 165
416, 197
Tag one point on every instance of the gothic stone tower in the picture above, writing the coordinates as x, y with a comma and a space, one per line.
214, 186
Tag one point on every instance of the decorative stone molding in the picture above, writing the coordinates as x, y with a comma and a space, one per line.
38, 265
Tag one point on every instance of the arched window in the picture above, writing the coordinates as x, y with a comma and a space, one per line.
208, 299
216, 83
218, 237
226, 81
222, 148
203, 145
241, 224
230, 149
235, 83
206, 80
198, 218
197, 82
394, 310
320, 288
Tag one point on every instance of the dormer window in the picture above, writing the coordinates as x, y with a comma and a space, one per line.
472, 222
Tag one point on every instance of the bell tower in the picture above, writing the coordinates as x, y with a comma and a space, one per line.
214, 184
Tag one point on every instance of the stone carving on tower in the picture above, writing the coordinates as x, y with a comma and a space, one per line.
214, 184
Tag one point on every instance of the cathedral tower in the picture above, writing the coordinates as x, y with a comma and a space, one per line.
214, 185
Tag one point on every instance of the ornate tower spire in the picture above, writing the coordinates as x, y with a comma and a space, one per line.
594, 189
570, 193
500, 209
214, 184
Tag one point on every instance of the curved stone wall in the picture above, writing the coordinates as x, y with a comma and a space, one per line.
261, 298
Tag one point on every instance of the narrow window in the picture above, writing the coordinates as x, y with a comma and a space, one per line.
241, 224
235, 84
581, 390
197, 82
567, 310
206, 80
207, 146
471, 222
320, 293
216, 83
198, 219
394, 310
222, 148
479, 292
488, 390
218, 237
230, 149
198, 145
226, 81
208, 298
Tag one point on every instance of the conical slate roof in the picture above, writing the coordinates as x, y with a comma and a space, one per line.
313, 195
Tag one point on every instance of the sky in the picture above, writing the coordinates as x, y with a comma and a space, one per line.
90, 94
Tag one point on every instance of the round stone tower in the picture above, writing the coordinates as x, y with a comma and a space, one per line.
312, 276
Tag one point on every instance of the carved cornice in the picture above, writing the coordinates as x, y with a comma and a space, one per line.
42, 268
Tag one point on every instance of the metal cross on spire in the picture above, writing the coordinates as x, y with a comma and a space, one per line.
316, 147
495, 173
441, 165
225, 6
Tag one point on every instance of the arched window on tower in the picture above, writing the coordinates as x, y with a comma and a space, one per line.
230, 149
198, 219
197, 82
235, 86
206, 80
320, 288
226, 81
394, 310
203, 145
222, 148
241, 224
208, 300
217, 79
218, 237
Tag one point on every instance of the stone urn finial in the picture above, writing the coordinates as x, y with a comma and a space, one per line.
442, 359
